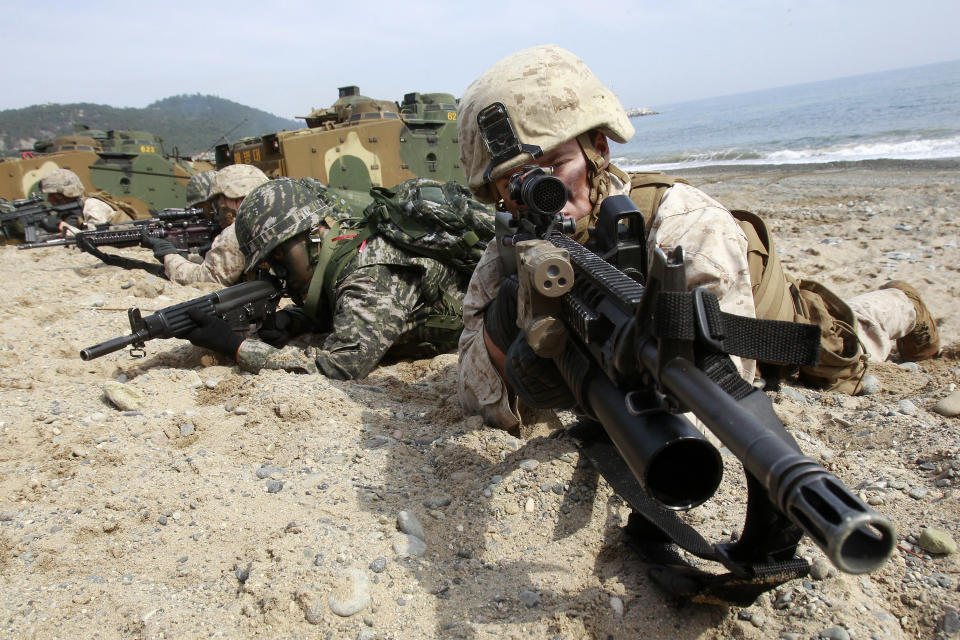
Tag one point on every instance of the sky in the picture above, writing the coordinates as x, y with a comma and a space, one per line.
288, 56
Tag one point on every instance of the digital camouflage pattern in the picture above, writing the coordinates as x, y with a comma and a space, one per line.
273, 213
551, 96
199, 187
387, 301
223, 262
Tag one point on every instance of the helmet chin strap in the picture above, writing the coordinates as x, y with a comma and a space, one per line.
598, 177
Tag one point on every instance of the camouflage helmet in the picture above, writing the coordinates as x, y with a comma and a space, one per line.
273, 213
62, 181
551, 97
199, 186
238, 180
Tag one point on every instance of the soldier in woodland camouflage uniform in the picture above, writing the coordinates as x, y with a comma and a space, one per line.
223, 262
63, 186
559, 108
370, 299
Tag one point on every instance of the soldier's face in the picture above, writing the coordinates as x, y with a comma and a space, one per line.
570, 166
291, 261
228, 209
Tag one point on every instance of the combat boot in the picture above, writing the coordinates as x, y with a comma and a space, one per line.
924, 340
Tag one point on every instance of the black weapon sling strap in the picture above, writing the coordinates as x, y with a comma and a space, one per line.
84, 244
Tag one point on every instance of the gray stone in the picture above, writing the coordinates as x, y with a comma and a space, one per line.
617, 605
437, 502
314, 613
821, 570
950, 623
350, 593
378, 564
909, 366
407, 545
906, 407
95, 300
949, 406
529, 598
265, 472
187, 429
529, 464
408, 523
917, 493
937, 541
871, 385
123, 397
834, 633
274, 486
792, 394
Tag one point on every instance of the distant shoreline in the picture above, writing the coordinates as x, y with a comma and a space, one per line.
881, 164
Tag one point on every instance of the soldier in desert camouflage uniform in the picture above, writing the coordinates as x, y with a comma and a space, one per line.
223, 262
63, 186
201, 191
562, 111
369, 299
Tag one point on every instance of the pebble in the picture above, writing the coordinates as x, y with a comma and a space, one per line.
908, 366
949, 406
274, 486
378, 564
917, 493
821, 570
617, 605
512, 508
350, 594
530, 506
265, 472
906, 407
529, 598
438, 502
871, 385
937, 541
314, 613
792, 394
950, 623
124, 397
407, 545
834, 633
408, 523
94, 301
529, 464
187, 429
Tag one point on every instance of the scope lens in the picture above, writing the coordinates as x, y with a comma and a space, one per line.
545, 194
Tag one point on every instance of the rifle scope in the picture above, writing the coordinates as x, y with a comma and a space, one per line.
536, 189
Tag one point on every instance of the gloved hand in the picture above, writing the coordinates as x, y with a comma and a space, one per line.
50, 223
500, 314
537, 381
284, 325
161, 247
213, 333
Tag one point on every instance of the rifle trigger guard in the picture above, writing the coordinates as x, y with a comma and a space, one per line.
645, 402
703, 323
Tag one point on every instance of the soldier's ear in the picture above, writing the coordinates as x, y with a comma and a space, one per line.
602, 145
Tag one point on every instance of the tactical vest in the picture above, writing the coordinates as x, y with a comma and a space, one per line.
778, 296
124, 211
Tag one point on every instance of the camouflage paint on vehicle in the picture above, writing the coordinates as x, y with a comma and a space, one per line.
129, 165
360, 143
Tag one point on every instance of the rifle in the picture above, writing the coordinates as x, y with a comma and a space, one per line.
185, 228
636, 350
33, 213
244, 306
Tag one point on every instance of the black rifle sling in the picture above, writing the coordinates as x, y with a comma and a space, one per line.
120, 261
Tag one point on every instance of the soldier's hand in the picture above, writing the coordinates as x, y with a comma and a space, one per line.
537, 381
213, 333
284, 325
500, 314
161, 247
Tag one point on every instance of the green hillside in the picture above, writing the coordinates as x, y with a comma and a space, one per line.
191, 123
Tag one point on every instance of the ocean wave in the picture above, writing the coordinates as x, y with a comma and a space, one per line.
924, 149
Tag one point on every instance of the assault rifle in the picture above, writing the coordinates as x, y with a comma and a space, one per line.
185, 228
637, 350
244, 306
33, 214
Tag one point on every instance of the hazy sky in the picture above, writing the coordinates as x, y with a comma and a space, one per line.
286, 56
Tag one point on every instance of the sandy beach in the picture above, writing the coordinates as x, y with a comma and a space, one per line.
223, 504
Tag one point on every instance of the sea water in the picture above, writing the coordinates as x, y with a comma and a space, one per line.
906, 114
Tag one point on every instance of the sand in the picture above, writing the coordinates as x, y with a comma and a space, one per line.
236, 505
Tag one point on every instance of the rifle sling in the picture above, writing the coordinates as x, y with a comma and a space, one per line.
121, 261
693, 315
745, 581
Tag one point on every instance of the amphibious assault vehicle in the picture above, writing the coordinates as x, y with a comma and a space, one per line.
129, 165
360, 142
